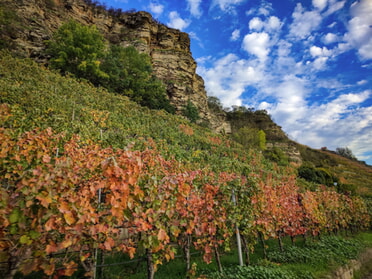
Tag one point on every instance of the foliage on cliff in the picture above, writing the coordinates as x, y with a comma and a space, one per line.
81, 50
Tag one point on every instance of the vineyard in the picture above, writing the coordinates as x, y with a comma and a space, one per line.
84, 172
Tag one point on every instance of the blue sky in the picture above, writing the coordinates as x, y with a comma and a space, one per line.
308, 63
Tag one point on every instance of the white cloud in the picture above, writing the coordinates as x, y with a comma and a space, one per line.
264, 9
271, 24
257, 44
256, 24
228, 78
334, 6
362, 82
304, 22
194, 7
338, 123
317, 51
156, 9
320, 63
177, 22
359, 28
320, 4
306, 102
330, 38
204, 59
235, 35
290, 96
226, 5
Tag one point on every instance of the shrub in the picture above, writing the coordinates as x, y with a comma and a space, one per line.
257, 272
317, 175
251, 138
277, 155
78, 49
328, 249
214, 104
191, 112
130, 74
345, 152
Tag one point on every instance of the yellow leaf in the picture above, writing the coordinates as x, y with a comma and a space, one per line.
66, 243
69, 217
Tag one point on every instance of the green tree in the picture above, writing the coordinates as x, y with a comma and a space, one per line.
214, 104
345, 152
78, 49
130, 74
251, 137
277, 155
261, 139
191, 112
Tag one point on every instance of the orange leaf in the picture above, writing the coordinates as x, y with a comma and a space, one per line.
109, 243
50, 224
131, 251
66, 243
46, 158
71, 267
163, 236
51, 248
48, 268
69, 217
44, 199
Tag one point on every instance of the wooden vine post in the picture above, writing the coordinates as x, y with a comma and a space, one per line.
238, 240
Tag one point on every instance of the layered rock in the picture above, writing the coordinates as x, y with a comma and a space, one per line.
168, 48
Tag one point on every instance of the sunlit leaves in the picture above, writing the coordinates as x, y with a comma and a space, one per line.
67, 195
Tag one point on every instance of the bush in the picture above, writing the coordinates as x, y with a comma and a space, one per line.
9, 25
345, 152
191, 112
329, 249
130, 74
277, 155
317, 175
78, 49
258, 272
251, 138
214, 104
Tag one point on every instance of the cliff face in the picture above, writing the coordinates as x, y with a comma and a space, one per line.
169, 48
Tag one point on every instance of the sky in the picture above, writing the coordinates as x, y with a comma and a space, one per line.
308, 63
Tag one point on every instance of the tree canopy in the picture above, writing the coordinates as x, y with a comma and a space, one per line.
81, 50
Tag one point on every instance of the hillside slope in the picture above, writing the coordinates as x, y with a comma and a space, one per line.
29, 24
25, 25
39, 98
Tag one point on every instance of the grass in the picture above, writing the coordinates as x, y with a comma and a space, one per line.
311, 259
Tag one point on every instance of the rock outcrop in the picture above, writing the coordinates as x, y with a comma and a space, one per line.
36, 20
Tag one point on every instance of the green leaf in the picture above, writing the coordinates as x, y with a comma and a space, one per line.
34, 235
25, 239
14, 216
13, 229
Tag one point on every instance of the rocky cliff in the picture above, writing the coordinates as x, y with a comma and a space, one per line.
34, 21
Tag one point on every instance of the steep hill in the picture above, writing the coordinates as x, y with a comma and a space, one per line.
26, 25
39, 98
